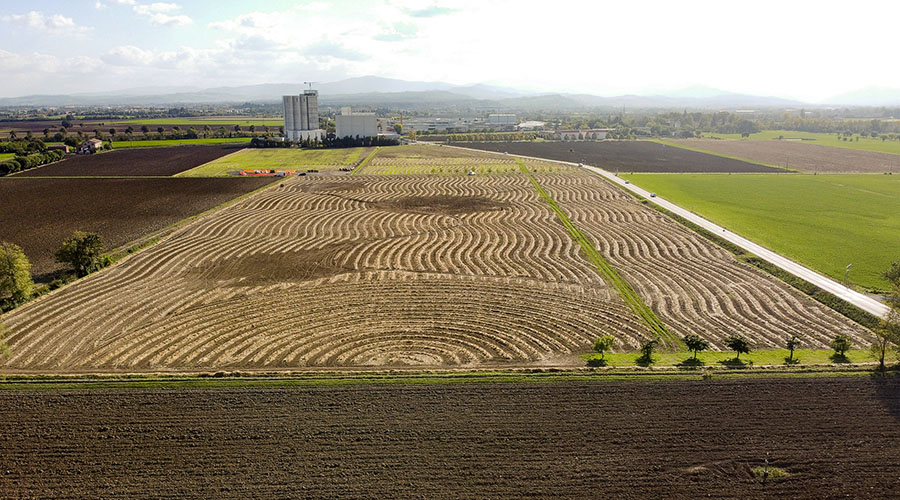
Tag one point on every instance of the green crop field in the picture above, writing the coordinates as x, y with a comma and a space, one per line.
822, 221
178, 142
864, 143
279, 159
238, 120
6, 156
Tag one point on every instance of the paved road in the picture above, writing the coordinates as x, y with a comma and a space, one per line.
860, 300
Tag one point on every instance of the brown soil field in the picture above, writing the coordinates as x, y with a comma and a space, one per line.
165, 161
835, 437
800, 156
625, 156
405, 270
38, 214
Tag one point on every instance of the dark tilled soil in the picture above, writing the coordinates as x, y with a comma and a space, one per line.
625, 156
38, 214
134, 162
836, 437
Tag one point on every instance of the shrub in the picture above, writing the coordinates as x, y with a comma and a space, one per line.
603, 344
647, 349
841, 344
84, 252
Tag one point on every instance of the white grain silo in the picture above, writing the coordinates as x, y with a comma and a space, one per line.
301, 116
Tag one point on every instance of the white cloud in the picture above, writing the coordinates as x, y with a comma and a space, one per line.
159, 13
128, 55
55, 24
99, 5
124, 2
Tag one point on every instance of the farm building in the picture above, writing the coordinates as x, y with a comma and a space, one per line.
60, 147
90, 146
355, 124
301, 116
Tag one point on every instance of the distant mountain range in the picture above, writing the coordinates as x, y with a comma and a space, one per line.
373, 91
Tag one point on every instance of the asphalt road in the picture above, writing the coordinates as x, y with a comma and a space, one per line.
860, 300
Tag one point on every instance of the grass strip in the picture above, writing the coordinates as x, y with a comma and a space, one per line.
237, 380
365, 162
722, 155
628, 294
828, 299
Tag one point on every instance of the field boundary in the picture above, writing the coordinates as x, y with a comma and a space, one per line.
229, 155
413, 377
628, 294
365, 161
721, 155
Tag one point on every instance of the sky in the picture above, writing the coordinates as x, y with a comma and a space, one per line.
805, 50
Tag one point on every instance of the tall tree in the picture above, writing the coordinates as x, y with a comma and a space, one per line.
16, 285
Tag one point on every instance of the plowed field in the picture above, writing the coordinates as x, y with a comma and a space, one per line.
625, 156
836, 438
38, 214
374, 271
801, 156
133, 162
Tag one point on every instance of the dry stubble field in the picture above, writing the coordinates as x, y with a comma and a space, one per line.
405, 270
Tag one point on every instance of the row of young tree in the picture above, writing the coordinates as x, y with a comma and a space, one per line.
496, 136
83, 252
19, 163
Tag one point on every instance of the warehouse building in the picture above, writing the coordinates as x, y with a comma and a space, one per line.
502, 121
301, 116
355, 124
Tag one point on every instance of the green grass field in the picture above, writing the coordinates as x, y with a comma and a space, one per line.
756, 358
822, 221
6, 156
280, 159
178, 142
865, 144
238, 120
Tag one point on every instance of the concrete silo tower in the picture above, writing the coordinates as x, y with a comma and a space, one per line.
301, 116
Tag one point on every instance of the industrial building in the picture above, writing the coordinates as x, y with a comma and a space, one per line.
355, 124
503, 121
301, 116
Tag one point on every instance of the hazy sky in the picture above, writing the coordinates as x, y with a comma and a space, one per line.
807, 50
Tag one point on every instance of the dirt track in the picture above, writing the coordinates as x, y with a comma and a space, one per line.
836, 437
